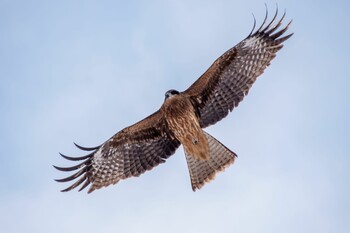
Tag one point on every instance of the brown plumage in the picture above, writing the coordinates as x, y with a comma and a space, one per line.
181, 120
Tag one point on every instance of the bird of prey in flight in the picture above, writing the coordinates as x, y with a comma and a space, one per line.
182, 118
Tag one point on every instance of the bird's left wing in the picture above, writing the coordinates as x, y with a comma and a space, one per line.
130, 152
224, 85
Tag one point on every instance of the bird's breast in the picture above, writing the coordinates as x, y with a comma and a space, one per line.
184, 124
180, 116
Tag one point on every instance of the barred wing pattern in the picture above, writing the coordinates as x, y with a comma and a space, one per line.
224, 85
146, 144
129, 153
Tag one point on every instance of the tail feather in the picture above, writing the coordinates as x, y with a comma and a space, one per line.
203, 171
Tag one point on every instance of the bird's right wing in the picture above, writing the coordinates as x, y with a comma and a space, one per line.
130, 152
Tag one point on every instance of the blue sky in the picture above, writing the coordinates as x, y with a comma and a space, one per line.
82, 70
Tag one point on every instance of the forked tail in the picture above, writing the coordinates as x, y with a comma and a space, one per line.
202, 171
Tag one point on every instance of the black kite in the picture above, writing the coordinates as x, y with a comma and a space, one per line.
181, 119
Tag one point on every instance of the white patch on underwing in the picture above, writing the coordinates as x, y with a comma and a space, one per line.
250, 42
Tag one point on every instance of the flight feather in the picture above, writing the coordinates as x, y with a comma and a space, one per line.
223, 86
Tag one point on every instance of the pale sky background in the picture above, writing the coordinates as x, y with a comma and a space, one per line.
82, 70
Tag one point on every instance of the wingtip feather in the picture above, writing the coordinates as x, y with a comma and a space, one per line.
77, 158
86, 148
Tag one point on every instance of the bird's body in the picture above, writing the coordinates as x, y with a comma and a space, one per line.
182, 118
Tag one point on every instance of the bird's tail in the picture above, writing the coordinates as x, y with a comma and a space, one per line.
202, 171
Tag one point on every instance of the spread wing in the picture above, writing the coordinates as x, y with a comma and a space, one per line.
128, 153
224, 85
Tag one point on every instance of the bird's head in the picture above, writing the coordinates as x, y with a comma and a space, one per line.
171, 93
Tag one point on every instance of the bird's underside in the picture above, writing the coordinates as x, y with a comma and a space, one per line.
181, 119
